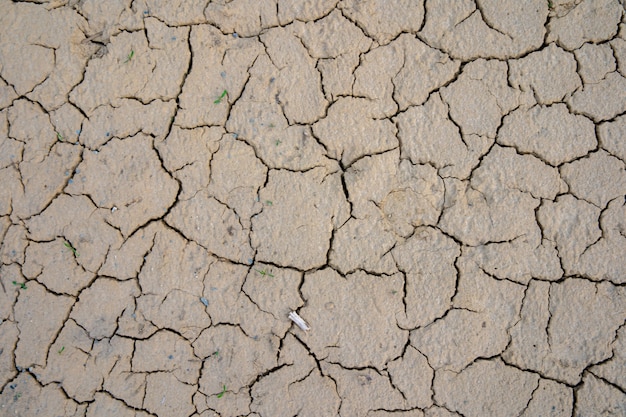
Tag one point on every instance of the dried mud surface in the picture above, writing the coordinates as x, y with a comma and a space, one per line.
437, 187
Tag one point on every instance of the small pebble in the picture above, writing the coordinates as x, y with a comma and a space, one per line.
204, 301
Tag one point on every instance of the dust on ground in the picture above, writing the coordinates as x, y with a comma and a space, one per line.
436, 187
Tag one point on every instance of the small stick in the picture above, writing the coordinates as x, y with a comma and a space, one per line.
299, 321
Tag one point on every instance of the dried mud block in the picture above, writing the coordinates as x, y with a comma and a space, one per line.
384, 20
409, 195
295, 387
489, 29
9, 334
604, 259
476, 218
519, 260
178, 12
588, 21
573, 225
278, 294
295, 230
167, 396
11, 150
42, 181
31, 125
56, 58
549, 73
242, 17
413, 376
364, 244
427, 260
239, 359
167, 352
477, 326
423, 71
127, 118
550, 132
598, 178
601, 101
233, 186
289, 10
274, 393
79, 364
596, 397
67, 121
171, 284
298, 82
485, 388
436, 411
14, 243
338, 75
213, 225
187, 154
331, 36
24, 396
10, 291
108, 19
550, 399
505, 168
611, 136
565, 327
7, 94
155, 70
84, 227
229, 301
104, 405
54, 265
353, 128
595, 62
99, 306
124, 262
11, 190
479, 97
364, 390
353, 319
613, 369
120, 382
220, 62
39, 316
128, 175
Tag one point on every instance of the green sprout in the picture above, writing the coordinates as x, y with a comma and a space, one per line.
22, 285
278, 142
61, 350
550, 5
130, 56
264, 273
269, 203
221, 394
59, 137
216, 353
219, 99
72, 248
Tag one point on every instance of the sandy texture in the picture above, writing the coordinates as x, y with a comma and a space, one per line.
437, 187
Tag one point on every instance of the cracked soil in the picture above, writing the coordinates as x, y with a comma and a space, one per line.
437, 187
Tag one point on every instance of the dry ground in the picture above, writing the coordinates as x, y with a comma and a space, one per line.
436, 186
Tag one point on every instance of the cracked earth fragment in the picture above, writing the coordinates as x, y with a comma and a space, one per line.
437, 187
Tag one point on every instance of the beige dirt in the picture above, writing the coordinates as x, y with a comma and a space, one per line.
437, 187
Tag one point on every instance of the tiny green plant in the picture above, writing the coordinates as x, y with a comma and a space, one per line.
130, 56
216, 353
264, 273
59, 137
22, 285
278, 142
219, 99
72, 248
221, 394
550, 5
269, 203
61, 350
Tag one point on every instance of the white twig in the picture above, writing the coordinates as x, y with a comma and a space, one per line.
299, 321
